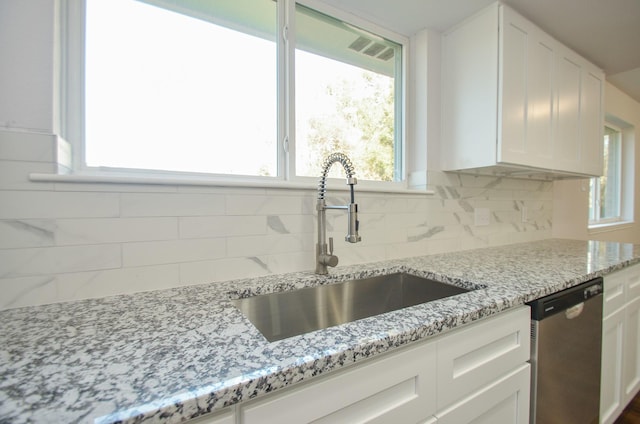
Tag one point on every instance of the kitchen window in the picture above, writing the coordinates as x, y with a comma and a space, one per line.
212, 88
608, 194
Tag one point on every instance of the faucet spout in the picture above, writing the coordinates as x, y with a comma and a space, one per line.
324, 254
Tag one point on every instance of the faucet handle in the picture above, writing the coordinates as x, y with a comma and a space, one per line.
330, 259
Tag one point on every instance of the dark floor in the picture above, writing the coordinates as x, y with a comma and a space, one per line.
631, 414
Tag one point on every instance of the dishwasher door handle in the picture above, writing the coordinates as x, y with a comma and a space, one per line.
574, 311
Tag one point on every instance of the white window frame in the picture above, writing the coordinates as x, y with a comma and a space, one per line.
71, 152
626, 178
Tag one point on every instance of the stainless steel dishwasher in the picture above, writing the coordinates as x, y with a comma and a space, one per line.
566, 344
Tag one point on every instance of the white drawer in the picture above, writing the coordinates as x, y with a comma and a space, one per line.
614, 292
399, 387
633, 283
474, 356
504, 401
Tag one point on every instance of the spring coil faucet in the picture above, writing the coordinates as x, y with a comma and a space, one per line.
324, 255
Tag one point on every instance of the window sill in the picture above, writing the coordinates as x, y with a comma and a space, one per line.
610, 226
196, 181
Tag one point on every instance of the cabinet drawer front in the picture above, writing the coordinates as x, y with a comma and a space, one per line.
633, 283
614, 292
397, 388
504, 401
473, 357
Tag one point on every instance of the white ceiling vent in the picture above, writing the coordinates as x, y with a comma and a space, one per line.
367, 46
360, 43
374, 49
387, 54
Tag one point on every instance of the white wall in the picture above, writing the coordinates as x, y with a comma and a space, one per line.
66, 241
571, 198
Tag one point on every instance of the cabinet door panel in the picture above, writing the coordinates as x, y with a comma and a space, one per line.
631, 365
633, 282
611, 374
615, 292
471, 358
549, 110
528, 65
512, 138
504, 401
470, 92
540, 103
567, 140
592, 125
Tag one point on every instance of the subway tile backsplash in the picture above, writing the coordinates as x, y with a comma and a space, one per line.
65, 241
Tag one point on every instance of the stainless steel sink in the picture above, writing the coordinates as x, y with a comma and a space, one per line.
286, 314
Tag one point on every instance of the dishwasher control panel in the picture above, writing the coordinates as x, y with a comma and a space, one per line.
591, 291
565, 299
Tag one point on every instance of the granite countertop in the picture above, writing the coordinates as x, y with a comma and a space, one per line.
172, 354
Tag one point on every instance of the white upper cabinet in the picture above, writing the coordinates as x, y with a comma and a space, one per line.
516, 101
527, 89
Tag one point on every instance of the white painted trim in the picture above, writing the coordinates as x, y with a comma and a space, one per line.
610, 226
189, 180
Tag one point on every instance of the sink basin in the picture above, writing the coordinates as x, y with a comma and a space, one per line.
286, 314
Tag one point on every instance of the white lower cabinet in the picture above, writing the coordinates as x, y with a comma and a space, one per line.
506, 400
475, 374
483, 374
395, 388
611, 374
473, 357
620, 378
631, 364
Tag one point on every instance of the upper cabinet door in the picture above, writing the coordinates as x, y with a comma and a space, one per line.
567, 142
470, 92
580, 115
527, 93
592, 121
512, 140
548, 119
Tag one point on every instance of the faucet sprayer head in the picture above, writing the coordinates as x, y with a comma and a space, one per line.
353, 224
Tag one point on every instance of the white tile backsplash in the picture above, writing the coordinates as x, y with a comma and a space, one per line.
21, 233
172, 251
115, 230
83, 285
26, 291
267, 245
14, 175
290, 224
24, 146
57, 204
54, 260
222, 226
68, 241
243, 205
171, 204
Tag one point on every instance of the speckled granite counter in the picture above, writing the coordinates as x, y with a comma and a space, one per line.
173, 354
